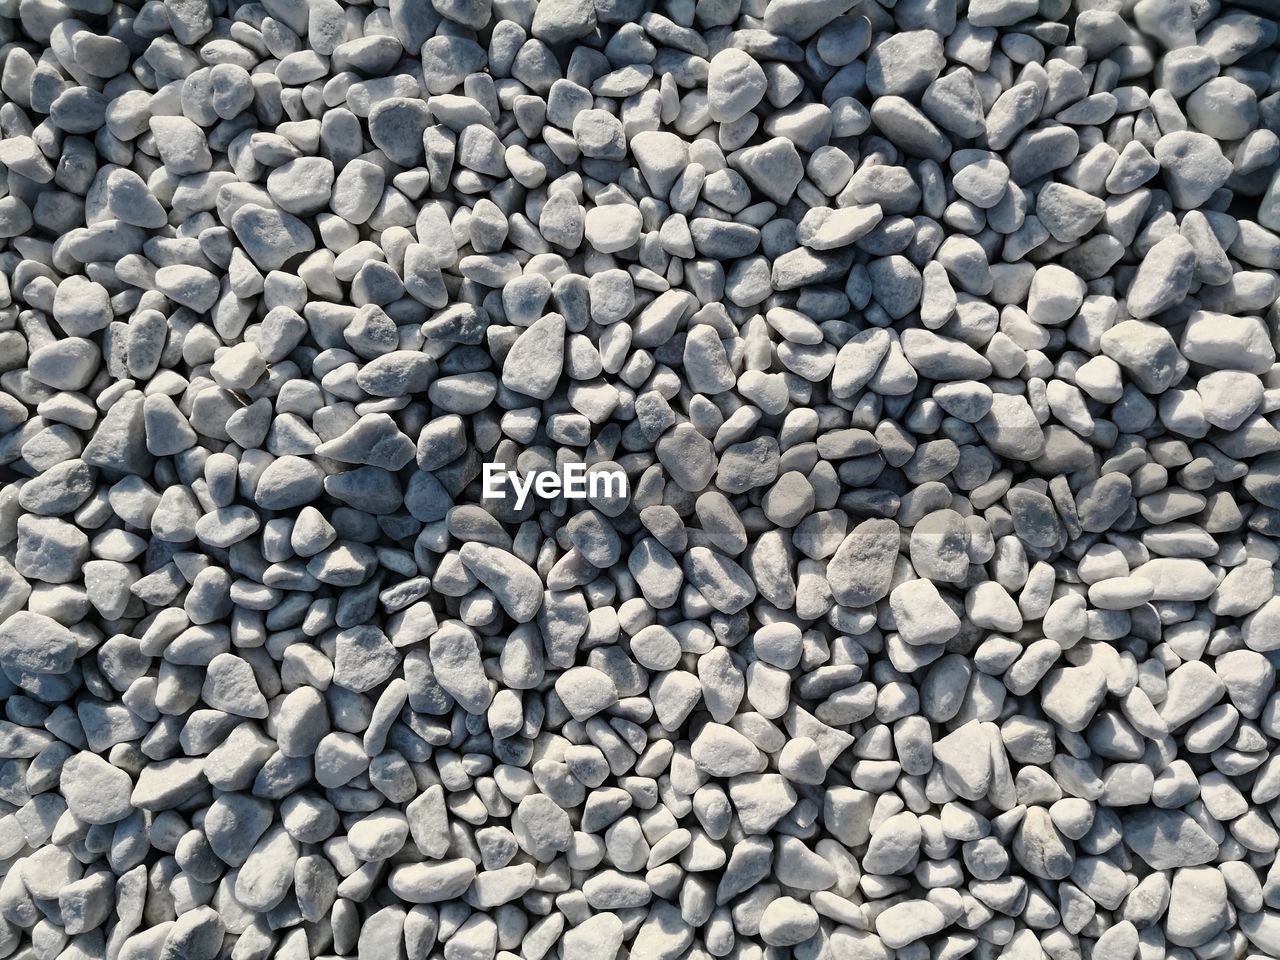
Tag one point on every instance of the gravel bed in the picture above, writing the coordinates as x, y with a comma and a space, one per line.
592, 479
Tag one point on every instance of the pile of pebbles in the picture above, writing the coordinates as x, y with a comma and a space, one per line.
937, 343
